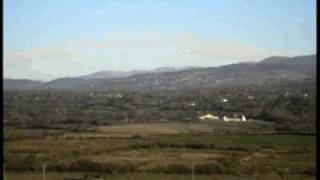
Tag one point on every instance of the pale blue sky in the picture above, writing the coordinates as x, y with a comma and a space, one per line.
44, 39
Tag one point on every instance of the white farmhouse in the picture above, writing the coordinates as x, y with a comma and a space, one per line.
225, 119
286, 94
250, 97
242, 119
209, 116
224, 100
118, 95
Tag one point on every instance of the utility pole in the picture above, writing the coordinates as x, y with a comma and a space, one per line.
4, 172
44, 171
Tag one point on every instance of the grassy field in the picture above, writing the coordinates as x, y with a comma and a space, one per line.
158, 151
146, 176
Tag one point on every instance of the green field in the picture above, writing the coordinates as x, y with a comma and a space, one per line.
157, 151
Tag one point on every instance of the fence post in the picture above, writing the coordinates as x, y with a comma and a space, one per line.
4, 172
44, 171
192, 172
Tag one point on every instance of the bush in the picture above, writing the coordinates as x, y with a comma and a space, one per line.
137, 136
91, 166
21, 162
210, 168
178, 169
283, 127
309, 171
173, 169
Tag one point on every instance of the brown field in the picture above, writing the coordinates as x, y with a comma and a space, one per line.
158, 151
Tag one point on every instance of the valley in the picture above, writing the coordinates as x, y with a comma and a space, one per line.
175, 132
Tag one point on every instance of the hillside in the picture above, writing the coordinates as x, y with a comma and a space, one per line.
20, 84
269, 69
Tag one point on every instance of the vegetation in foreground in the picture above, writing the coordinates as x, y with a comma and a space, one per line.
160, 155
147, 176
157, 134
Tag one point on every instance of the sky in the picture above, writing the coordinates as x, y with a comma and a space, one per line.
48, 39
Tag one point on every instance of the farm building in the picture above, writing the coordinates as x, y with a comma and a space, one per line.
243, 118
234, 119
224, 100
209, 117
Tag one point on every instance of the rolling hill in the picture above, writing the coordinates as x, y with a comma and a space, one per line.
20, 84
268, 70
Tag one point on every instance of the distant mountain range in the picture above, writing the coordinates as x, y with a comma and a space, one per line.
268, 70
124, 74
20, 84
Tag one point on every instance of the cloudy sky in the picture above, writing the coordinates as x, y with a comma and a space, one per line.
46, 39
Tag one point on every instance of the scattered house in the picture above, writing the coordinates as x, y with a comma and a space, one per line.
91, 94
192, 104
224, 100
118, 95
115, 95
231, 119
235, 119
286, 94
243, 118
209, 117
306, 95
250, 97
225, 119
283, 75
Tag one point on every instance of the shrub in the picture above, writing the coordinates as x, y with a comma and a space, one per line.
137, 136
91, 166
172, 169
21, 162
210, 168
309, 171
285, 127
